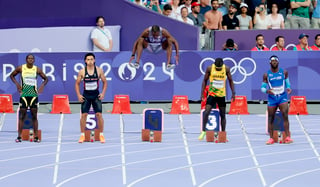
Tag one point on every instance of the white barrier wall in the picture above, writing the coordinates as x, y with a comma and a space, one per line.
52, 39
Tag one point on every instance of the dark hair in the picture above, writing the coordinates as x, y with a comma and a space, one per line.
155, 28
316, 36
167, 7
184, 7
278, 37
218, 62
89, 54
99, 17
259, 36
213, 0
29, 55
230, 42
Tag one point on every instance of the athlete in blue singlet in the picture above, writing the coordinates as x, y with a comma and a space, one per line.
154, 39
277, 85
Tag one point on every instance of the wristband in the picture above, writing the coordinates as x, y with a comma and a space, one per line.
264, 87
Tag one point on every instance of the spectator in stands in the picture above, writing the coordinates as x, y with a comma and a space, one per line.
237, 3
167, 10
230, 45
260, 19
303, 43
138, 2
279, 44
300, 14
182, 2
260, 44
213, 22
213, 17
252, 4
175, 9
155, 6
245, 21
276, 20
205, 6
184, 16
315, 21
195, 15
288, 22
222, 7
101, 37
316, 46
230, 21
155, 39
283, 6
187, 4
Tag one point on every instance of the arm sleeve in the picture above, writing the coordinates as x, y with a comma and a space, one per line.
287, 81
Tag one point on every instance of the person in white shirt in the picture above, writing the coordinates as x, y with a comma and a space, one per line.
184, 16
276, 20
175, 9
101, 37
260, 19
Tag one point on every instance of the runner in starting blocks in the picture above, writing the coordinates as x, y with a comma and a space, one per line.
213, 126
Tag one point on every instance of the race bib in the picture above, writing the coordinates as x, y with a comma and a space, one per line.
30, 81
278, 90
91, 86
217, 83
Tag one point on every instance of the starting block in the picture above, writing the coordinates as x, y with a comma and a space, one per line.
180, 105
213, 126
92, 131
279, 134
60, 104
27, 135
6, 105
27, 129
152, 125
277, 123
298, 105
239, 105
121, 105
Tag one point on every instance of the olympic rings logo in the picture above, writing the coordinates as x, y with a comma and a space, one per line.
236, 67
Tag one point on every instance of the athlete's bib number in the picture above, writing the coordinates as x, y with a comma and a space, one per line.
278, 90
91, 86
217, 83
30, 81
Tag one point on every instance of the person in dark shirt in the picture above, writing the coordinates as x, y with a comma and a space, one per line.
230, 21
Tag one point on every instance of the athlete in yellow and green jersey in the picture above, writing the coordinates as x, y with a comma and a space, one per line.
217, 73
29, 93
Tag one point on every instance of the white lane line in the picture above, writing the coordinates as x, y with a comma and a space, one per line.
3, 116
142, 161
186, 148
295, 175
308, 138
123, 153
250, 168
56, 166
256, 163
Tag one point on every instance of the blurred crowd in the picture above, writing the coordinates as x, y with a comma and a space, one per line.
210, 15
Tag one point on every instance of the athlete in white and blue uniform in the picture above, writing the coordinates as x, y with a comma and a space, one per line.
277, 85
154, 39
